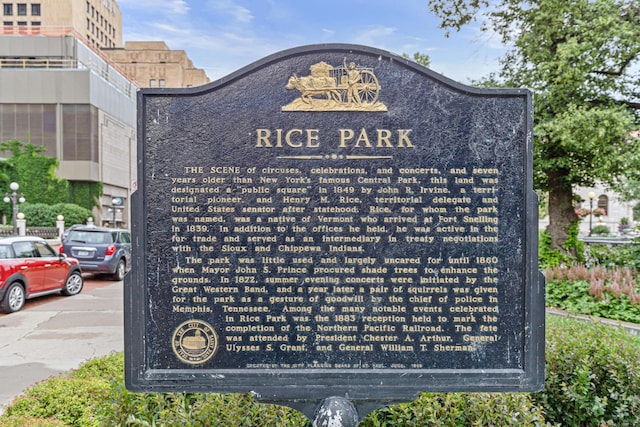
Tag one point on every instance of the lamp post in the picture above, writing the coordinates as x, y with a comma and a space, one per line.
116, 204
14, 198
591, 196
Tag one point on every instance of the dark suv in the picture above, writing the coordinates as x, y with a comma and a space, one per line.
100, 250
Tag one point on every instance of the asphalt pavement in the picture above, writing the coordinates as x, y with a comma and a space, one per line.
48, 338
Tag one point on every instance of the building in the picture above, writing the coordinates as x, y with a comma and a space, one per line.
153, 64
59, 91
97, 22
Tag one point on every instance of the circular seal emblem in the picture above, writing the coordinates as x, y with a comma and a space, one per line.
194, 342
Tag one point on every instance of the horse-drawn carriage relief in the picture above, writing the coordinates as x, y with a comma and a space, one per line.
329, 88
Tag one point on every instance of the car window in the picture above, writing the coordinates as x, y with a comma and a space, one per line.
5, 252
89, 237
24, 250
125, 237
44, 250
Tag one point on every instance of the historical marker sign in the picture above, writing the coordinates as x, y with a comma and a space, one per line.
334, 220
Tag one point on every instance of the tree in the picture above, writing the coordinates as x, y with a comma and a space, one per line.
421, 58
578, 57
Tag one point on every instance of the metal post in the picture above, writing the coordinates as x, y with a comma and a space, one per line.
591, 196
336, 411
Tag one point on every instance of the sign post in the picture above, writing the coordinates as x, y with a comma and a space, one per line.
334, 221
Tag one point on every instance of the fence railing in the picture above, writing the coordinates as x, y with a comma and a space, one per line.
44, 232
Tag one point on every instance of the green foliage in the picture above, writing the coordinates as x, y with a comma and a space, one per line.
593, 375
577, 57
574, 297
86, 194
593, 379
600, 230
71, 400
572, 251
35, 173
421, 58
73, 214
620, 256
28, 421
42, 215
169, 409
460, 409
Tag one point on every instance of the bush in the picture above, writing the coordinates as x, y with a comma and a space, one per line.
460, 409
593, 380
41, 215
621, 256
593, 375
73, 401
600, 230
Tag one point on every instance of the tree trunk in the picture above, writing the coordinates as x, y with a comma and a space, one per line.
562, 213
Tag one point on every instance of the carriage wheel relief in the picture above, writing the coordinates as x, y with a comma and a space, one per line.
330, 88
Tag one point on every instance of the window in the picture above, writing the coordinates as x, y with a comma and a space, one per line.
44, 250
35, 9
603, 203
153, 83
24, 250
79, 132
22, 9
8, 9
162, 83
35, 121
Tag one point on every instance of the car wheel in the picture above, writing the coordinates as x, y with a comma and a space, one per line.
120, 270
13, 299
74, 284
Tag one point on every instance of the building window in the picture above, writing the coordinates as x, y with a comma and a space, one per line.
162, 83
35, 9
79, 132
30, 122
22, 9
153, 83
603, 203
8, 9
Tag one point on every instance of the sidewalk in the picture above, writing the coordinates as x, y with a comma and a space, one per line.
55, 337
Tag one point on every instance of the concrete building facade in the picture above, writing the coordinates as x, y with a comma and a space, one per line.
153, 64
97, 22
60, 93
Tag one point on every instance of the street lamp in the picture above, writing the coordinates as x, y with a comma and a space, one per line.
14, 198
116, 204
591, 196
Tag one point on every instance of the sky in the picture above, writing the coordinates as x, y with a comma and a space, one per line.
221, 36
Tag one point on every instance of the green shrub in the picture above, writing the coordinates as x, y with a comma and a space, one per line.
71, 400
593, 380
460, 409
622, 255
26, 421
73, 214
41, 215
574, 296
593, 375
600, 230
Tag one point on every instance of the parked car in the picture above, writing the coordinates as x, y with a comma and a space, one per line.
100, 250
66, 232
30, 267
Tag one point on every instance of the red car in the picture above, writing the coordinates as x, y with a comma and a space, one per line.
29, 267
